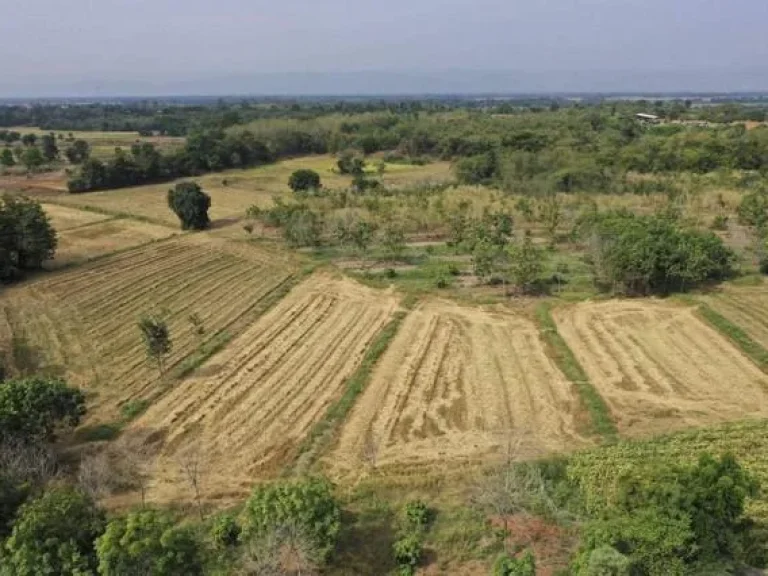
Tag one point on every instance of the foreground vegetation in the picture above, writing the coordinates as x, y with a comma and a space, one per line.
545, 203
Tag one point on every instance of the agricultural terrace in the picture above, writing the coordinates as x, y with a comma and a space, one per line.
746, 306
84, 320
248, 407
659, 367
457, 384
234, 191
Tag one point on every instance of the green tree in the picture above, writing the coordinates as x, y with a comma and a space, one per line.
526, 263
307, 504
362, 234
54, 534
78, 152
303, 228
27, 238
148, 543
32, 158
32, 408
486, 259
157, 340
550, 214
29, 139
393, 238
6, 158
50, 150
304, 180
190, 204
506, 565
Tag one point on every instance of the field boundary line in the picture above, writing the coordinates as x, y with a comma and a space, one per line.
113, 213
735, 334
320, 435
602, 422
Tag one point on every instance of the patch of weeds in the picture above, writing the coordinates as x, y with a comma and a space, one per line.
134, 409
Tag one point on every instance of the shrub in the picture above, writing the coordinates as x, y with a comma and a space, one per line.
417, 515
607, 561
408, 551
304, 180
225, 531
506, 565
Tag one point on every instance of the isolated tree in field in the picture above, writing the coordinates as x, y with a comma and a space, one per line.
26, 234
157, 340
54, 534
6, 158
526, 263
190, 204
78, 152
148, 542
304, 180
29, 139
49, 148
32, 158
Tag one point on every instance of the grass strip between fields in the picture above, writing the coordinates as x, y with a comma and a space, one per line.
600, 415
322, 432
735, 334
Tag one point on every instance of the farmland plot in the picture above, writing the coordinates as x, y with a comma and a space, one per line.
659, 367
458, 384
745, 306
85, 318
250, 406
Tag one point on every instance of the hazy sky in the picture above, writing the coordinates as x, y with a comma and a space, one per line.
51, 47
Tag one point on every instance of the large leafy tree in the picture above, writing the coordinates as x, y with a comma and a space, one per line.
49, 148
190, 204
32, 408
27, 238
307, 505
54, 534
304, 180
148, 543
78, 152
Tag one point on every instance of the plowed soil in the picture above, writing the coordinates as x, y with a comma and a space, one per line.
251, 405
459, 384
659, 367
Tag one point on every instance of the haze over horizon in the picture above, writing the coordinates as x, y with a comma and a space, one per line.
164, 47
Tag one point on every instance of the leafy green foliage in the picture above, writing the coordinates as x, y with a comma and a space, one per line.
27, 238
667, 519
190, 204
308, 504
148, 542
607, 561
225, 531
54, 534
32, 158
653, 255
49, 148
304, 180
157, 339
6, 158
526, 263
32, 408
506, 565
408, 551
13, 493
78, 152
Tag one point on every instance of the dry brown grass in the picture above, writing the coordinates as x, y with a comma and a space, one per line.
659, 367
250, 406
455, 385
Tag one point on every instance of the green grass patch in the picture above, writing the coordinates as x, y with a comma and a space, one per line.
321, 433
735, 334
600, 415
202, 354
134, 409
98, 432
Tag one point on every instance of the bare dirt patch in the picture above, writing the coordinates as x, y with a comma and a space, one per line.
456, 384
250, 406
659, 367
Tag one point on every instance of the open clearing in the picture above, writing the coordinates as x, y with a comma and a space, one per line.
243, 189
746, 306
63, 218
459, 383
85, 318
249, 406
92, 240
659, 367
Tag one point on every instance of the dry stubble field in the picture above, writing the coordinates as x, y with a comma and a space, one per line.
746, 306
459, 384
248, 408
659, 367
85, 318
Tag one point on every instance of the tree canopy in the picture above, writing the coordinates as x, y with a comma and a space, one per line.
190, 204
